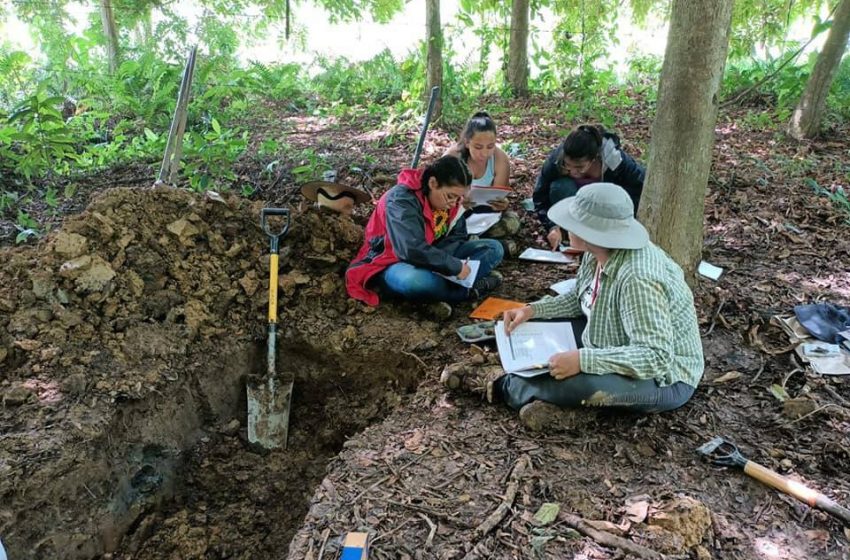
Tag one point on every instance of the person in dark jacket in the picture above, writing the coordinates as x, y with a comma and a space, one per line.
589, 154
412, 238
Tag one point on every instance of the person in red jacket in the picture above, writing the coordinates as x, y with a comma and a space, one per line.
413, 237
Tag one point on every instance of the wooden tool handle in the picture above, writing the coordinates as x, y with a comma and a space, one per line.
776, 480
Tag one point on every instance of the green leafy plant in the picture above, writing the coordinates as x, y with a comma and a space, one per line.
27, 227
312, 166
41, 141
209, 157
837, 195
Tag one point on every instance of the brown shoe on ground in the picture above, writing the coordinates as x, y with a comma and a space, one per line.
539, 416
439, 310
453, 375
471, 378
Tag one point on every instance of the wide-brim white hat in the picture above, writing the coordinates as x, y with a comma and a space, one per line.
603, 215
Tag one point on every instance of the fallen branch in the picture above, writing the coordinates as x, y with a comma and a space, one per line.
433, 530
609, 540
836, 396
815, 411
325, 534
522, 464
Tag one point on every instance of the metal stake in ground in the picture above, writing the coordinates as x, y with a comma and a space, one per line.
269, 402
174, 145
722, 452
431, 102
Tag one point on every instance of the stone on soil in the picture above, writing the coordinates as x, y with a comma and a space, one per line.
684, 516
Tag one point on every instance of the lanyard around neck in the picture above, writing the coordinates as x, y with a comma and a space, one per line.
596, 279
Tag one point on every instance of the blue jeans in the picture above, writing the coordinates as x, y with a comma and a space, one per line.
408, 282
562, 188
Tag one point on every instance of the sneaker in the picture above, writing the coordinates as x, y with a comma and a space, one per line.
510, 247
453, 375
439, 310
488, 283
538, 416
471, 378
494, 390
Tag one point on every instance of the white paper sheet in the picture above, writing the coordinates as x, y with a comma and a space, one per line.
470, 279
563, 286
479, 223
527, 350
540, 255
709, 270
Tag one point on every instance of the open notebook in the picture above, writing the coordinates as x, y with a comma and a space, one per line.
527, 350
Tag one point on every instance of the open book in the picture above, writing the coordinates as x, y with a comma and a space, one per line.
470, 279
527, 350
485, 195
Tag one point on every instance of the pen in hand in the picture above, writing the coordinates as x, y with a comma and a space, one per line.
510, 342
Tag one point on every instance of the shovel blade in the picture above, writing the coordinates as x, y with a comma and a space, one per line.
268, 413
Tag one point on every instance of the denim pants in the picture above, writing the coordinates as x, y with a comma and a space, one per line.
408, 282
560, 189
609, 390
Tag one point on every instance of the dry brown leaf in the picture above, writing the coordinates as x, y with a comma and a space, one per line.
608, 527
819, 535
637, 508
414, 442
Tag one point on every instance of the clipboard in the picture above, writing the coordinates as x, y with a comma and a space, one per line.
493, 307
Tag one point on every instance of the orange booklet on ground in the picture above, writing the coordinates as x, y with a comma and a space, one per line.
492, 308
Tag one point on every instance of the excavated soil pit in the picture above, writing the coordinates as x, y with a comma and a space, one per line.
125, 341
226, 500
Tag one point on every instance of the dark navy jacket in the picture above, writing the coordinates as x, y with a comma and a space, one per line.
618, 167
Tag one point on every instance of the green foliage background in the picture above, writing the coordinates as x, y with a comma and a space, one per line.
64, 115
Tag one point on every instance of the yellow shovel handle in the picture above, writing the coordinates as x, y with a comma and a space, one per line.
273, 258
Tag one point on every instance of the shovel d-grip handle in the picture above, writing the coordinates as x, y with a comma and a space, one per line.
274, 250
796, 489
274, 255
264, 223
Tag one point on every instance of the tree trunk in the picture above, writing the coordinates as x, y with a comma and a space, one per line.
435, 54
111, 33
673, 202
518, 51
805, 121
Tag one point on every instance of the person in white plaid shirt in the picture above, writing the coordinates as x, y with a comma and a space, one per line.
641, 347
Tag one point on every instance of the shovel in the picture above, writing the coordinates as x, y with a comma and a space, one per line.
269, 401
722, 452
435, 91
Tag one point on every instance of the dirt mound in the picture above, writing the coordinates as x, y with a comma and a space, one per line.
127, 333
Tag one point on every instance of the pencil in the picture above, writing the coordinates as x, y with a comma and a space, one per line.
510, 341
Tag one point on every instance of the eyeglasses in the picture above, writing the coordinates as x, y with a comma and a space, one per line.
576, 168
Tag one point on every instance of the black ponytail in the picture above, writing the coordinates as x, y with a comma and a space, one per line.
448, 171
479, 122
585, 142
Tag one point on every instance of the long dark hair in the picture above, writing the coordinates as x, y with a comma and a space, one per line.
479, 122
585, 142
448, 171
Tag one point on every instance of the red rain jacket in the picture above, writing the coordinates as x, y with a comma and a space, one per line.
401, 229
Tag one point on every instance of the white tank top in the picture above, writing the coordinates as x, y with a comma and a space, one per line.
486, 180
